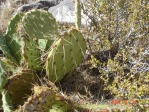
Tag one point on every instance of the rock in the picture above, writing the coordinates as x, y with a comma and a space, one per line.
28, 7
2, 1
40, 4
65, 12
62, 10
21, 1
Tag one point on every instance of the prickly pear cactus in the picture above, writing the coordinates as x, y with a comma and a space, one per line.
13, 38
41, 25
45, 100
19, 86
40, 30
3, 78
26, 36
65, 55
31, 53
7, 102
42, 43
5, 49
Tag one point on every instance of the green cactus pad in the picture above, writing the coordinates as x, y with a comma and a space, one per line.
44, 44
65, 55
5, 49
19, 86
31, 53
7, 101
45, 100
3, 78
40, 24
59, 106
13, 39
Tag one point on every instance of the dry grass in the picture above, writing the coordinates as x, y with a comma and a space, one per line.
7, 10
5, 14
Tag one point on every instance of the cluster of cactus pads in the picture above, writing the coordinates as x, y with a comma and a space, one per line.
29, 37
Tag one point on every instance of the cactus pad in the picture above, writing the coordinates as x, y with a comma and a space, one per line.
65, 55
40, 24
6, 50
7, 102
31, 53
13, 39
19, 86
45, 100
3, 77
44, 44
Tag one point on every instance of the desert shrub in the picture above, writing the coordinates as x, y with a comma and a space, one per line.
118, 44
123, 19
128, 83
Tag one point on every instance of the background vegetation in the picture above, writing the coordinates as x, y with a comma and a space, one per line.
118, 44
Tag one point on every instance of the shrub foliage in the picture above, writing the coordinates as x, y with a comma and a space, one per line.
118, 43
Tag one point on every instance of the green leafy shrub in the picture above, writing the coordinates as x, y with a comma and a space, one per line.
118, 43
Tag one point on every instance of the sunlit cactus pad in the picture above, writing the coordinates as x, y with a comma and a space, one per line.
65, 55
40, 24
